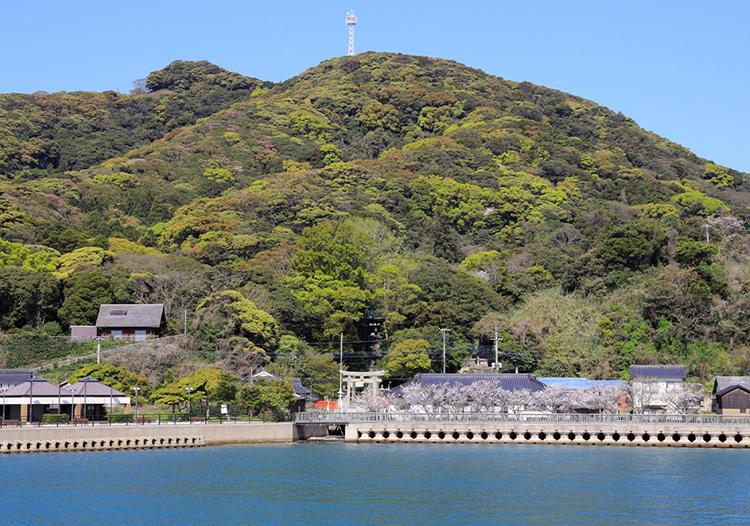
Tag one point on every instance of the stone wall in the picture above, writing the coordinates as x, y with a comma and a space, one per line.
535, 433
102, 437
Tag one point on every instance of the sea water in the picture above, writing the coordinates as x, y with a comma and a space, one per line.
353, 484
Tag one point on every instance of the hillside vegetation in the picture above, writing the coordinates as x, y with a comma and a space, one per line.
411, 191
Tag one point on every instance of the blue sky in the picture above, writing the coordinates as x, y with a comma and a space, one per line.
679, 68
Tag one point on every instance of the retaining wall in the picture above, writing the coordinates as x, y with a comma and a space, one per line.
601, 434
147, 436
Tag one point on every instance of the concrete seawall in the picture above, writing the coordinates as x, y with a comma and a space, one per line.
149, 436
601, 434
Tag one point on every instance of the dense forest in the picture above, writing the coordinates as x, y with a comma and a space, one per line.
379, 196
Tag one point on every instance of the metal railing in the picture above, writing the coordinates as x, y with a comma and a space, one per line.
338, 417
142, 419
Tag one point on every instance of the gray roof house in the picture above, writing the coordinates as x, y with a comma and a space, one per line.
651, 385
507, 381
665, 373
131, 322
12, 377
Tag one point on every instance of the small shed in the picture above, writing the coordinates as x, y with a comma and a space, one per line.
732, 395
131, 322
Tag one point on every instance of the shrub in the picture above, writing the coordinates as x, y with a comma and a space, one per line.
121, 418
55, 419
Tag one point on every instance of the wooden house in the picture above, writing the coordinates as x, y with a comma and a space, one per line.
731, 395
131, 322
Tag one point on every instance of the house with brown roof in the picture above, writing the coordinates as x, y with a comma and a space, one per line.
131, 322
731, 395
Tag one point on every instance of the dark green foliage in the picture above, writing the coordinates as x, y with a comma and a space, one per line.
27, 298
84, 292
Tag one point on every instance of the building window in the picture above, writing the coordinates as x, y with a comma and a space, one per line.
118, 313
140, 335
116, 334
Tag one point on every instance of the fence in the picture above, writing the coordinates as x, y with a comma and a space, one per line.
552, 418
132, 347
144, 419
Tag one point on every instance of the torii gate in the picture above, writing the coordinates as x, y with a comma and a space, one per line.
373, 378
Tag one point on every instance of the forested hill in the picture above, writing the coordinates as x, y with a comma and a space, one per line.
423, 192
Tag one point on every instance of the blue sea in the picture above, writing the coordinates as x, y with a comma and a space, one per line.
353, 484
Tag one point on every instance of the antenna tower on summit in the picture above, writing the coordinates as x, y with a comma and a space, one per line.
351, 21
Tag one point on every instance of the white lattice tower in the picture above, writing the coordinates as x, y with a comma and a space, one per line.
351, 21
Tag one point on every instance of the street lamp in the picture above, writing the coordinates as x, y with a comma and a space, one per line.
189, 393
136, 389
99, 348
444, 331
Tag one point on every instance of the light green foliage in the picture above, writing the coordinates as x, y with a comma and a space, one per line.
220, 175
232, 137
29, 257
479, 260
83, 257
331, 154
116, 377
228, 318
656, 210
118, 245
696, 202
718, 175
10, 215
408, 358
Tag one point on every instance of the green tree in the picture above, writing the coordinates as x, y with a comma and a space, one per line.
84, 293
408, 358
27, 298
267, 396
227, 320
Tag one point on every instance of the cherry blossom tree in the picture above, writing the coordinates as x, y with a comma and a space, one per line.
684, 398
369, 402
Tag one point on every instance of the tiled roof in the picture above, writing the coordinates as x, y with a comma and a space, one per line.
14, 376
658, 371
302, 391
723, 384
580, 383
41, 387
130, 315
509, 382
92, 387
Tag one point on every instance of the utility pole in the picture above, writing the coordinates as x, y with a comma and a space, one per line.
341, 371
444, 331
98, 349
497, 360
